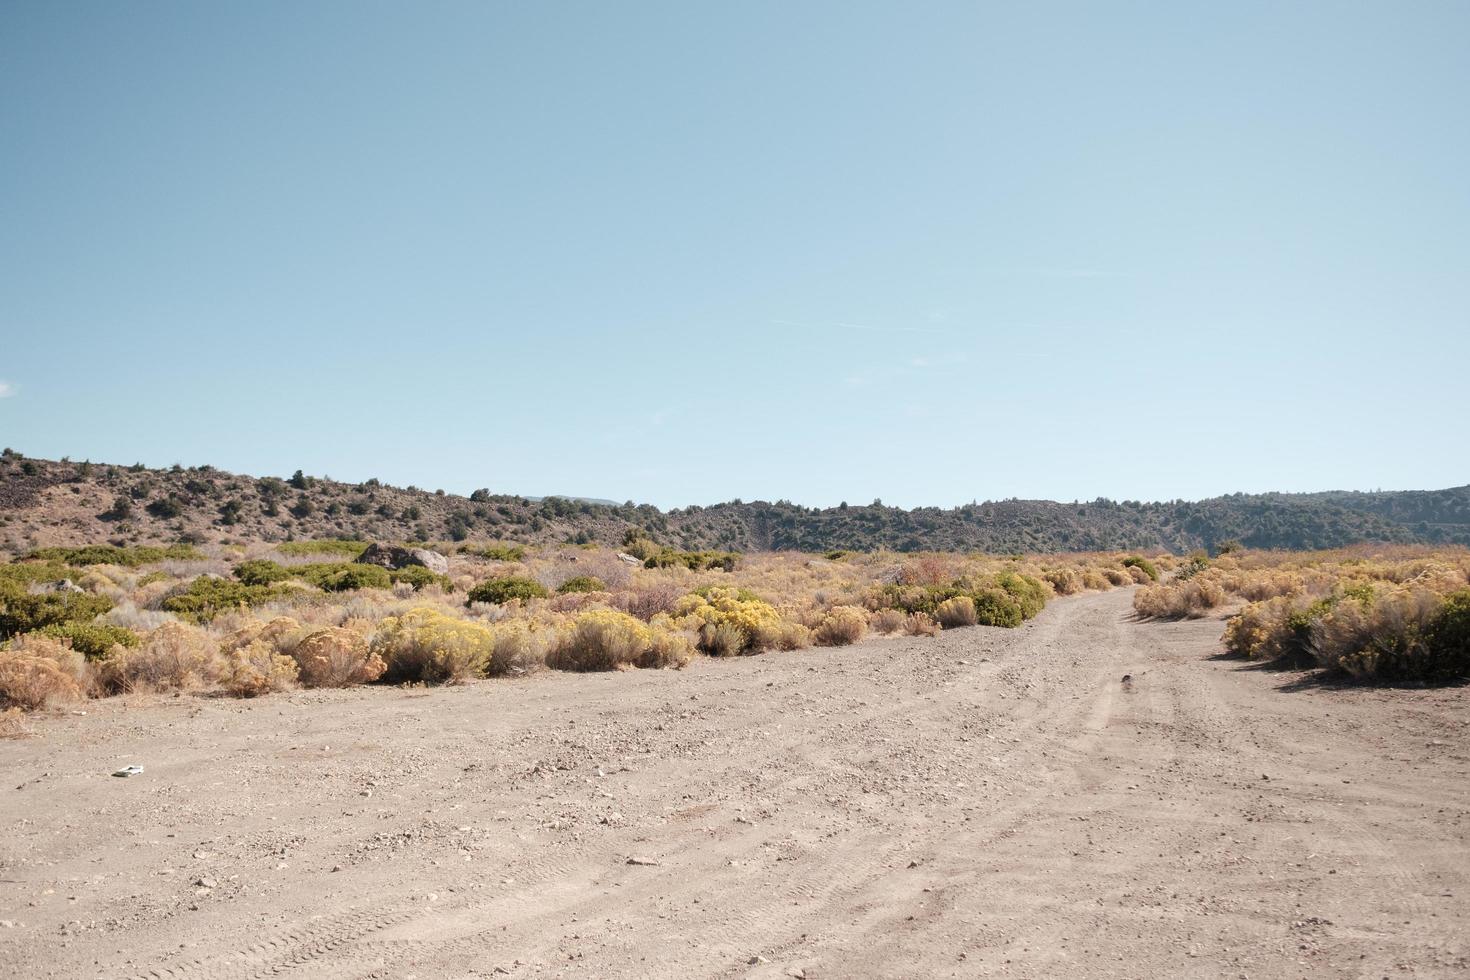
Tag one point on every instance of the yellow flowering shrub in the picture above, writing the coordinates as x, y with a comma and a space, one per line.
427, 645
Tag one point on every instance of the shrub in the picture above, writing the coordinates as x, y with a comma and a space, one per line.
499, 552
36, 671
206, 597
1030, 593
348, 576
518, 648
842, 625
887, 621
582, 583
1261, 630
1064, 581
1143, 564
695, 561
1406, 634
261, 571
601, 639
418, 576
958, 611
346, 547
91, 640
723, 639
724, 616
1190, 598
1118, 576
920, 624
1139, 576
173, 657
429, 646
259, 668
1447, 640
997, 607
605, 639
502, 590
336, 657
24, 613
102, 554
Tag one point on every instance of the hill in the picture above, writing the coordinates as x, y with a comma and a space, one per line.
61, 502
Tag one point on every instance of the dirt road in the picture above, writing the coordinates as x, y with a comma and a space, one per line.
989, 802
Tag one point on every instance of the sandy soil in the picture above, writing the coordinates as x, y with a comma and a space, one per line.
989, 802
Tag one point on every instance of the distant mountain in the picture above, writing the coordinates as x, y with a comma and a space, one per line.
45, 502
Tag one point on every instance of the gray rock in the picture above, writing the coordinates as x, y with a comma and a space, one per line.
393, 557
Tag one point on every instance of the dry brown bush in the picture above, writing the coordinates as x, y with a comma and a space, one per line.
1119, 576
37, 671
337, 657
519, 648
723, 639
13, 723
957, 611
1095, 581
174, 657
886, 621
1139, 576
1064, 581
1190, 599
842, 625
648, 599
920, 624
258, 668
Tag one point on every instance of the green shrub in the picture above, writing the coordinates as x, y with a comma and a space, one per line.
261, 571
499, 590
499, 552
1138, 561
696, 561
418, 576
24, 613
207, 597
324, 546
104, 554
1030, 594
997, 607
582, 583
1447, 640
347, 576
92, 640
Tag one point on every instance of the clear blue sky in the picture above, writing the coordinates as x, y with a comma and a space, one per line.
684, 252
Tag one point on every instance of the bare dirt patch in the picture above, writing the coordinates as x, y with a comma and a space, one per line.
987, 802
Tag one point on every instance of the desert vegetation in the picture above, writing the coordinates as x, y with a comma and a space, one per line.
253, 619
1383, 614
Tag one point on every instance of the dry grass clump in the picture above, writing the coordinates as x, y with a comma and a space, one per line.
13, 723
519, 648
605, 639
958, 611
1095, 581
842, 625
920, 624
1189, 599
173, 657
1064, 581
37, 671
887, 621
337, 657
1138, 575
1119, 576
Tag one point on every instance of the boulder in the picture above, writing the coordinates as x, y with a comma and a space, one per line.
394, 557
628, 558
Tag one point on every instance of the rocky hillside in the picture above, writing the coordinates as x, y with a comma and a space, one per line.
45, 502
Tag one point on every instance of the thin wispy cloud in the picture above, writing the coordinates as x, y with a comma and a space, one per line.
7, 390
